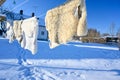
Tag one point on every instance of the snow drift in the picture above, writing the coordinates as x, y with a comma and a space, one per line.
66, 21
72, 61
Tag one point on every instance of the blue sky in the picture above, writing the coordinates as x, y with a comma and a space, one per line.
100, 13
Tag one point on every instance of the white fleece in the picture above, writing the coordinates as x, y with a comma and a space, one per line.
25, 31
63, 22
17, 30
10, 33
30, 32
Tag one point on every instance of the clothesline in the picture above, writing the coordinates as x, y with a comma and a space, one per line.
20, 5
44, 13
17, 6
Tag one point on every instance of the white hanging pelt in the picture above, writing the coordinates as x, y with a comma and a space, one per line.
66, 21
25, 31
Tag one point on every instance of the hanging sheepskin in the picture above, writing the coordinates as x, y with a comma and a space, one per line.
66, 21
30, 33
25, 31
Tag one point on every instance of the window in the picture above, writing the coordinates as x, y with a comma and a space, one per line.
42, 33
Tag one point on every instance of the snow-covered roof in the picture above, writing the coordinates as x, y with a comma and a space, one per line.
15, 16
3, 15
111, 36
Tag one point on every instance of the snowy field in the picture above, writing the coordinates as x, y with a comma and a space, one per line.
73, 61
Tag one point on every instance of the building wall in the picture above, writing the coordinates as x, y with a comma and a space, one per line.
42, 33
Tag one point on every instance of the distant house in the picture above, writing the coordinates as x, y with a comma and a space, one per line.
7, 15
16, 16
112, 39
42, 33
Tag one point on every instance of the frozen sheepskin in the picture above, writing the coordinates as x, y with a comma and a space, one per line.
25, 31
66, 21
30, 33
14, 30
17, 30
10, 33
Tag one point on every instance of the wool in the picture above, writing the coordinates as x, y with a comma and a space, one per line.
66, 21
30, 33
17, 30
25, 32
10, 33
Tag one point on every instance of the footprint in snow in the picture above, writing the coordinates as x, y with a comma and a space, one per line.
62, 73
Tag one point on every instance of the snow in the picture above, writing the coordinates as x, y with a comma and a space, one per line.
73, 61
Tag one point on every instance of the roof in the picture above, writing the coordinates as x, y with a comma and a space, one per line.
16, 16
110, 37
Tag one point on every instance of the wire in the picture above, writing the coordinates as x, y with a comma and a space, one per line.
43, 14
20, 5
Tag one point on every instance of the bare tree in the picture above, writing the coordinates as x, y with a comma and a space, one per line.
112, 27
105, 34
92, 36
118, 33
93, 33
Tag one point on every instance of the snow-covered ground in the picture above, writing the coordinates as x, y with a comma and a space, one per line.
73, 61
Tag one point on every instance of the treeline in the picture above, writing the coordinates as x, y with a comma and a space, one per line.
94, 35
